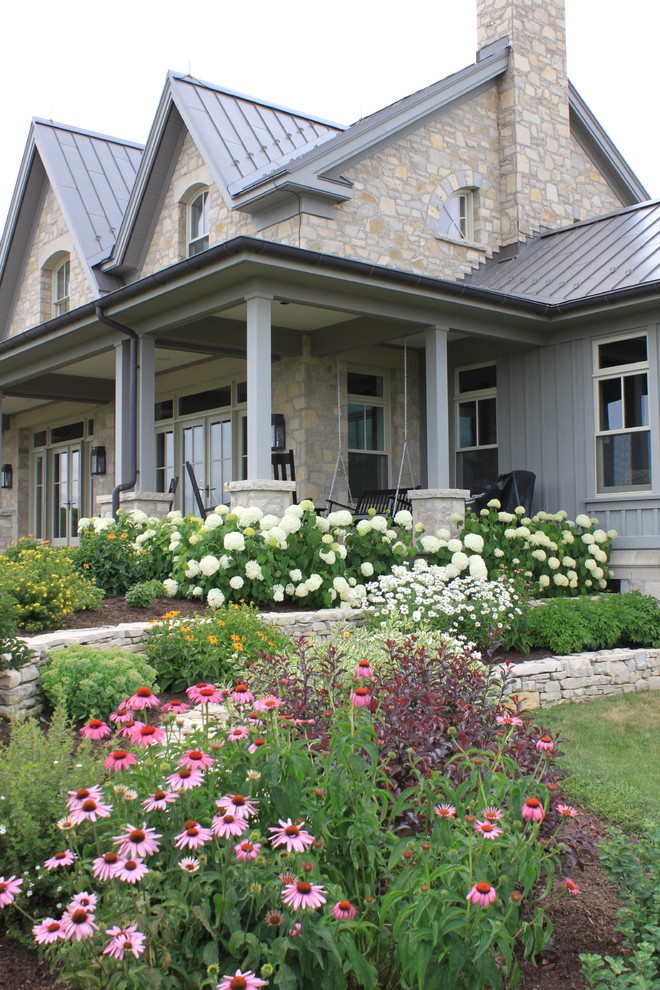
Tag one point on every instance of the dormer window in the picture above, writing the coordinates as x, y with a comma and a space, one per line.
457, 216
61, 276
198, 224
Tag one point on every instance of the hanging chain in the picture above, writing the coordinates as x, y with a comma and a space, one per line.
340, 452
405, 450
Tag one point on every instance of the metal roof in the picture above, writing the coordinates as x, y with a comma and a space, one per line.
613, 252
247, 138
93, 175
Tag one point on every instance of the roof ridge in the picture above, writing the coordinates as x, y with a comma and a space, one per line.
92, 134
647, 204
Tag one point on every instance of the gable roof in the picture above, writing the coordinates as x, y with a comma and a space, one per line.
92, 176
587, 259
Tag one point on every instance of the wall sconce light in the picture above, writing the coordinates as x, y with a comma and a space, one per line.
6, 476
278, 432
97, 460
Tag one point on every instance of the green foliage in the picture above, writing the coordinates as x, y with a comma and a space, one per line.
14, 651
111, 554
87, 682
216, 648
43, 584
594, 624
143, 594
37, 767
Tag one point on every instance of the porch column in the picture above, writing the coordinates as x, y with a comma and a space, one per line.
437, 409
146, 462
259, 385
1, 460
122, 411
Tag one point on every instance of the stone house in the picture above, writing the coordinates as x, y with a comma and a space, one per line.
470, 270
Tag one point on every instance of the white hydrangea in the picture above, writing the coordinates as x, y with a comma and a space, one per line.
301, 591
194, 539
539, 554
494, 504
234, 541
506, 517
225, 562
477, 567
267, 522
560, 580
197, 592
451, 572
600, 536
341, 518
583, 521
294, 510
327, 539
474, 542
568, 562
367, 568
290, 589
328, 556
209, 565
379, 524
296, 574
590, 564
497, 552
567, 536
587, 538
306, 504
171, 587
314, 582
193, 569
456, 517
612, 534
553, 563
602, 584
460, 560
138, 517
84, 524
403, 518
211, 522
145, 537
101, 524
598, 573
429, 545
236, 582
253, 571
215, 598
510, 534
454, 546
523, 532
544, 581
322, 524
249, 516
341, 551
289, 524
572, 576
599, 554
221, 510
176, 515
443, 534
519, 510
278, 592
277, 537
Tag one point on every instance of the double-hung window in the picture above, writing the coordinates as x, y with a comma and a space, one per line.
623, 431
368, 431
61, 279
476, 425
198, 224
457, 216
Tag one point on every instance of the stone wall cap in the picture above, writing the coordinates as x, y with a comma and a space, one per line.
266, 485
414, 493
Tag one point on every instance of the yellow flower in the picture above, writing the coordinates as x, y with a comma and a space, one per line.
213, 640
111, 536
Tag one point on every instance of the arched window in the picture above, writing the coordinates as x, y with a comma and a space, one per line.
457, 216
60, 288
198, 223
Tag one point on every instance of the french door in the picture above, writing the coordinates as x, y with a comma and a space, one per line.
207, 446
57, 493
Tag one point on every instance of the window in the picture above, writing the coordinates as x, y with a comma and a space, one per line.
59, 489
368, 428
198, 224
623, 433
456, 216
476, 423
61, 276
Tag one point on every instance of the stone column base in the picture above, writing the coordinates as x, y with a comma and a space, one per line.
272, 497
153, 503
434, 507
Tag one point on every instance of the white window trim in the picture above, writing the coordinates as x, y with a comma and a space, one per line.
475, 394
383, 401
190, 240
61, 304
467, 193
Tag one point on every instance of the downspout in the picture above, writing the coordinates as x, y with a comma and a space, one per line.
125, 486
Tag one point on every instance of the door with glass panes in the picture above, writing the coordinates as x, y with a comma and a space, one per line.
207, 446
64, 472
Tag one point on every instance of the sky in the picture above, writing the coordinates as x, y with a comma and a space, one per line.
102, 66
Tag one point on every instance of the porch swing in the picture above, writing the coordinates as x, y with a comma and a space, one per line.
383, 500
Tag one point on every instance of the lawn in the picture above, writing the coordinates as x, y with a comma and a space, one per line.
613, 762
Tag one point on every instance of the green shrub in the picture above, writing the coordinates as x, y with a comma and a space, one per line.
143, 594
43, 585
111, 554
594, 624
37, 768
90, 683
216, 648
14, 652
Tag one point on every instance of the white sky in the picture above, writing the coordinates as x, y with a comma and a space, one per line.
102, 66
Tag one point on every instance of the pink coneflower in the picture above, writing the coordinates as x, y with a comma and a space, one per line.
90, 810
488, 830
119, 759
8, 890
296, 930
76, 798
159, 800
268, 703
143, 698
130, 870
241, 981
363, 669
148, 735
195, 759
124, 940
287, 878
184, 779
444, 810
228, 825
204, 694
571, 886
508, 720
128, 728
178, 707
65, 824
48, 931
241, 695
65, 858
343, 911
256, 744
237, 733
188, 864
482, 894
193, 835
79, 925
96, 728
82, 900
138, 842
121, 715
360, 697
247, 850
240, 806
492, 814
566, 809
302, 895
104, 867
295, 838
532, 810
545, 744
274, 919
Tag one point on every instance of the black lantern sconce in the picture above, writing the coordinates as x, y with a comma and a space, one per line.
6, 476
97, 460
278, 432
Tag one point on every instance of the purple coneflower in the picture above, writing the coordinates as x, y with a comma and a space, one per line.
482, 894
90, 810
175, 706
204, 694
76, 798
487, 830
124, 940
48, 931
444, 810
8, 890
139, 842
241, 695
343, 911
241, 981
532, 810
508, 720
195, 759
119, 759
360, 697
121, 715
82, 900
256, 744
295, 838
247, 850
268, 703
363, 669
566, 809
545, 744
148, 735
193, 835
104, 867
188, 864
492, 814
274, 919
129, 727
159, 800
143, 698
296, 930
237, 733
571, 886
130, 870
184, 779
79, 925
96, 728
65, 858
228, 825
302, 895
238, 805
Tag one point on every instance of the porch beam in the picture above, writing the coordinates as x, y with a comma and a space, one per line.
146, 446
362, 332
259, 385
72, 388
437, 408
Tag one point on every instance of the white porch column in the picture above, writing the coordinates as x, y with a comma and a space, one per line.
259, 385
437, 409
122, 411
146, 453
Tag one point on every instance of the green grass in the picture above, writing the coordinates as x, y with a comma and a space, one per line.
612, 760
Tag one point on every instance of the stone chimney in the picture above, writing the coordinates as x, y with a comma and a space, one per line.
533, 113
